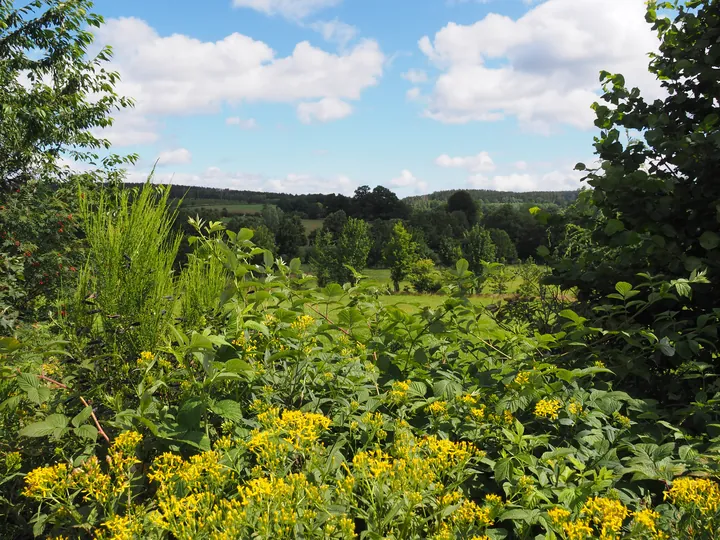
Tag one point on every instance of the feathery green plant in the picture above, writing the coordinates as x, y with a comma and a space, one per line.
129, 276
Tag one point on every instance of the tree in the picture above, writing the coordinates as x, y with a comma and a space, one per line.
526, 232
478, 248
353, 247
335, 222
505, 250
331, 254
400, 254
657, 193
290, 236
52, 96
463, 202
272, 217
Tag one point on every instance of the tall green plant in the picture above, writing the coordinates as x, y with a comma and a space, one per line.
128, 285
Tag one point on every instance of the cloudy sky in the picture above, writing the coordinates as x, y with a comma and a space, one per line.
326, 95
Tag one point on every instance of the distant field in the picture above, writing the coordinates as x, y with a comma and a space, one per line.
218, 204
312, 225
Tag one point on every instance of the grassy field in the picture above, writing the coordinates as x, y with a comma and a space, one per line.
218, 204
412, 302
312, 225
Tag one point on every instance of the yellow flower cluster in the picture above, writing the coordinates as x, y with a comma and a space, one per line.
622, 421
145, 359
302, 323
438, 408
606, 514
45, 482
522, 378
470, 514
547, 408
699, 493
478, 413
122, 528
96, 485
646, 519
399, 392
575, 408
468, 399
247, 344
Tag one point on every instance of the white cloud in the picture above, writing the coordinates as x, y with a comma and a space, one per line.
479, 163
521, 165
292, 9
242, 123
555, 180
325, 110
180, 156
335, 31
413, 94
545, 64
130, 128
179, 74
408, 180
219, 178
415, 76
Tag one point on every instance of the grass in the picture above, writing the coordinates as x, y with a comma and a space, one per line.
312, 225
218, 204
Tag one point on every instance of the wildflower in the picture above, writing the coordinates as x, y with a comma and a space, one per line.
13, 460
577, 530
449, 499
508, 417
558, 516
470, 514
438, 408
493, 499
575, 408
522, 378
478, 413
623, 421
547, 408
399, 392
127, 441
95, 484
468, 400
43, 482
599, 363
647, 519
302, 323
607, 514
145, 359
699, 493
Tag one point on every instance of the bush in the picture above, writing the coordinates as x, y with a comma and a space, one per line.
424, 277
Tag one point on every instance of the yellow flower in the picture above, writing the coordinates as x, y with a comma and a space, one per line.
127, 441
145, 359
647, 519
508, 417
96, 484
438, 408
467, 399
478, 413
577, 530
575, 408
599, 363
123, 528
699, 493
470, 513
302, 323
547, 408
493, 499
522, 378
607, 514
558, 516
46, 481
622, 420
399, 392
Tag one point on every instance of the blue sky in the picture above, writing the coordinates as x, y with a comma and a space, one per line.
326, 95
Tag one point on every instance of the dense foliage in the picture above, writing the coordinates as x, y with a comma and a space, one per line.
189, 383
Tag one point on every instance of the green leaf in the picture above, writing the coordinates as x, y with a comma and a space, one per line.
228, 409
462, 266
709, 240
8, 345
190, 413
623, 288
38, 429
236, 365
82, 416
503, 469
614, 226
87, 431
543, 251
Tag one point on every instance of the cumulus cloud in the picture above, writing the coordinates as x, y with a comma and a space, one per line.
541, 68
325, 110
413, 94
564, 179
292, 9
335, 31
415, 76
407, 180
479, 163
181, 75
242, 123
180, 156
130, 128
219, 178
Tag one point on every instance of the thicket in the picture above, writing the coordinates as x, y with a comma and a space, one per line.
224, 394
